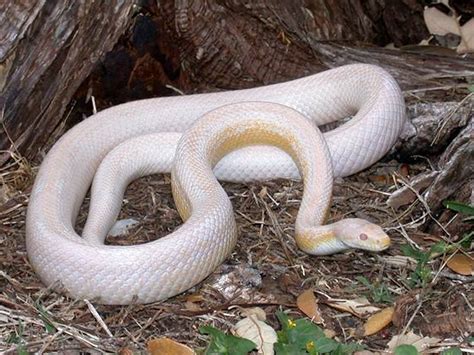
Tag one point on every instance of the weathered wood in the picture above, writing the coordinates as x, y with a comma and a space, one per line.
47, 49
196, 46
451, 177
233, 44
433, 126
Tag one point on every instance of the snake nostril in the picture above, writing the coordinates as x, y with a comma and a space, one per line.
363, 236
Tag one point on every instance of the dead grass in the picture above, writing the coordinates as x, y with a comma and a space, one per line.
265, 214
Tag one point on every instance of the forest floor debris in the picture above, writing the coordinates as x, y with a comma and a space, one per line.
265, 270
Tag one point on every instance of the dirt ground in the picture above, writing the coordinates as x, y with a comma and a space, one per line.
266, 269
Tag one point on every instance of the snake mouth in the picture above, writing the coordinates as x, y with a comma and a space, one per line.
382, 244
374, 246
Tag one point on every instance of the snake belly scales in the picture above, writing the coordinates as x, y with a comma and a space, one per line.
262, 133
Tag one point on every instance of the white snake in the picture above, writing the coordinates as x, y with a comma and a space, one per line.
148, 132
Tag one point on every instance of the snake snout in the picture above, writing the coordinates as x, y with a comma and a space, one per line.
373, 238
383, 243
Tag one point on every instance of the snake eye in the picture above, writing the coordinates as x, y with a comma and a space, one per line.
363, 236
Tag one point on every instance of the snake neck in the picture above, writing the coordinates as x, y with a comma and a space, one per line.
319, 240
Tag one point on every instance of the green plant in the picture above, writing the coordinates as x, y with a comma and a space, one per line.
405, 349
296, 337
17, 339
302, 337
224, 344
466, 210
422, 274
48, 325
452, 351
460, 207
379, 292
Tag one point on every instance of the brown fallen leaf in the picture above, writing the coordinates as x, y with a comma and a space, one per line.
192, 302
125, 351
381, 179
191, 306
195, 298
358, 307
166, 346
405, 170
378, 321
462, 264
308, 304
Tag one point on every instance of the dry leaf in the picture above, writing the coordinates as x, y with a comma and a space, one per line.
258, 312
405, 170
263, 192
381, 179
195, 298
257, 331
420, 343
192, 301
329, 333
462, 264
378, 321
467, 36
125, 351
166, 346
191, 306
358, 307
308, 304
438, 23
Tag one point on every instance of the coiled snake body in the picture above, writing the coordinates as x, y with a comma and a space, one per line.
150, 131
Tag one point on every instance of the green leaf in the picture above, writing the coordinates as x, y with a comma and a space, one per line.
301, 336
414, 253
460, 207
325, 345
452, 351
471, 88
224, 344
364, 281
300, 331
405, 350
349, 348
48, 325
378, 292
438, 248
17, 339
467, 240
289, 349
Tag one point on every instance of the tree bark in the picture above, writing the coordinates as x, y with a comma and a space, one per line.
47, 49
237, 44
196, 46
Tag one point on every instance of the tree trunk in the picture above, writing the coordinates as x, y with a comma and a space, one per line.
196, 46
47, 49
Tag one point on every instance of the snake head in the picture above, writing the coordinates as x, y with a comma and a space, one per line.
361, 234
